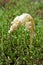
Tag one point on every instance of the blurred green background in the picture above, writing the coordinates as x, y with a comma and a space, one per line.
14, 48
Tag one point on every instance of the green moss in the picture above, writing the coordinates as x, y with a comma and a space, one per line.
14, 48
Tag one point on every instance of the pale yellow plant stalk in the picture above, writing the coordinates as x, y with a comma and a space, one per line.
26, 20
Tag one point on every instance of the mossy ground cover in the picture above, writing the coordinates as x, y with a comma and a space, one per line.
15, 48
